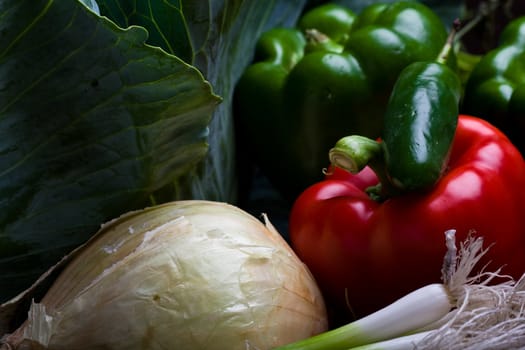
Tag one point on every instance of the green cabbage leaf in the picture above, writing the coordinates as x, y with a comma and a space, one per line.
111, 106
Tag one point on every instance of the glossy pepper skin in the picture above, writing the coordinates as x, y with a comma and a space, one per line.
306, 89
495, 89
420, 123
365, 253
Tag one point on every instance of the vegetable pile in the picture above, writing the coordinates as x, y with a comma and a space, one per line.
357, 246
329, 77
146, 146
424, 169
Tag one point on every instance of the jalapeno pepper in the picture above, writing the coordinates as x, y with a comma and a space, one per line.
420, 123
306, 89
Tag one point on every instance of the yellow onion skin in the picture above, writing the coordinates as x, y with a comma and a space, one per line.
183, 275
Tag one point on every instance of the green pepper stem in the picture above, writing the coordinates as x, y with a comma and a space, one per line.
459, 30
318, 41
353, 153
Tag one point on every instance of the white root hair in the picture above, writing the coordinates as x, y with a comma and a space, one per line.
487, 316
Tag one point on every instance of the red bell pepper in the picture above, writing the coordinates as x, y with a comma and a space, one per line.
365, 253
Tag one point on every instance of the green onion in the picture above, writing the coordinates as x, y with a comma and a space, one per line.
461, 313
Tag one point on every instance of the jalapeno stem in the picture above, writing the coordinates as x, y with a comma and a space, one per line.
449, 44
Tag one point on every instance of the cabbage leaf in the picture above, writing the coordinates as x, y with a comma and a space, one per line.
98, 116
218, 37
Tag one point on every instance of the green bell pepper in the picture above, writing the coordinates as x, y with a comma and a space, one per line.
328, 77
495, 89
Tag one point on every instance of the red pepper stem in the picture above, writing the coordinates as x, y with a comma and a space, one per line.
353, 153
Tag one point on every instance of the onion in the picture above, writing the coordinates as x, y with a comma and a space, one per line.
183, 275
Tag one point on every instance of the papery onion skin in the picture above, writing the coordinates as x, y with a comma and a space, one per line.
182, 275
